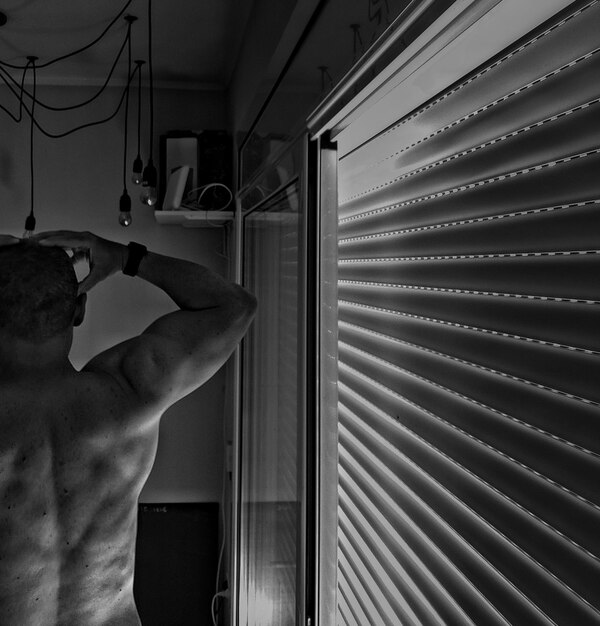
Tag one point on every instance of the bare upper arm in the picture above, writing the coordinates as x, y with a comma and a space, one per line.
178, 352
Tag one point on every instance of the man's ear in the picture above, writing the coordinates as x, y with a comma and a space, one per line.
80, 309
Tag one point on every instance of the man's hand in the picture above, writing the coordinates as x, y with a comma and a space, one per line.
105, 257
8, 240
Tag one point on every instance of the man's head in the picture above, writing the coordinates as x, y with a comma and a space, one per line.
38, 292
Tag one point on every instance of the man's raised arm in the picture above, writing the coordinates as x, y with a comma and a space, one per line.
181, 350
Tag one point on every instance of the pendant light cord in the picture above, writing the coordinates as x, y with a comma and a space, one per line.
31, 135
5, 76
82, 126
139, 107
75, 52
150, 77
19, 117
129, 22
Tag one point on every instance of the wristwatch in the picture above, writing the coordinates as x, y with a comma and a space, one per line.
134, 257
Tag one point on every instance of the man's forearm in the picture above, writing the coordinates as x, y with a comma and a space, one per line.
190, 285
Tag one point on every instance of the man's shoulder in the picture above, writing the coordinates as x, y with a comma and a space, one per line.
143, 370
116, 403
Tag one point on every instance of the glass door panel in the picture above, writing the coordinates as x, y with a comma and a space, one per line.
272, 445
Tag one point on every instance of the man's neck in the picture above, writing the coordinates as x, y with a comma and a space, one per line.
22, 359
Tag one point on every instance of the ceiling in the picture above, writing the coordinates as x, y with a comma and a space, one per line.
195, 43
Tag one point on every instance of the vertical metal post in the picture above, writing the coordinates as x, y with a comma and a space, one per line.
237, 432
326, 392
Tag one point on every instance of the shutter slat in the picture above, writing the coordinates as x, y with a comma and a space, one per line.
345, 617
575, 228
541, 319
564, 183
566, 275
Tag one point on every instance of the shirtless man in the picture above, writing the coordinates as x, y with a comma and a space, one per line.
77, 446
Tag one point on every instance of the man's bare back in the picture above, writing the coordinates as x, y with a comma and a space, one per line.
70, 476
75, 451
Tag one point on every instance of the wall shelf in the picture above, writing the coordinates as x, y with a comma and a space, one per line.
194, 219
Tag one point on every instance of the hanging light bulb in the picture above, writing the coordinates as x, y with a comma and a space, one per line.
125, 209
138, 166
125, 219
29, 226
149, 178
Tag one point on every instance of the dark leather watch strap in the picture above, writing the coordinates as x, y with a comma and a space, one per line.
135, 255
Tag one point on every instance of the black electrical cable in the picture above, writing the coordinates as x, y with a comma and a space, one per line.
14, 117
139, 111
90, 124
150, 77
21, 91
149, 174
3, 72
31, 135
83, 126
127, 107
75, 52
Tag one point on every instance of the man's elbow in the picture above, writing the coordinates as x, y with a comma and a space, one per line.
245, 304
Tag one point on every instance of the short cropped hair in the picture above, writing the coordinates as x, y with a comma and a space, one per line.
38, 291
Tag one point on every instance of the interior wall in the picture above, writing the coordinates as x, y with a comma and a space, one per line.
78, 183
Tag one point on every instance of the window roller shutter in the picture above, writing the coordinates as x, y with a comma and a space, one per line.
469, 348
